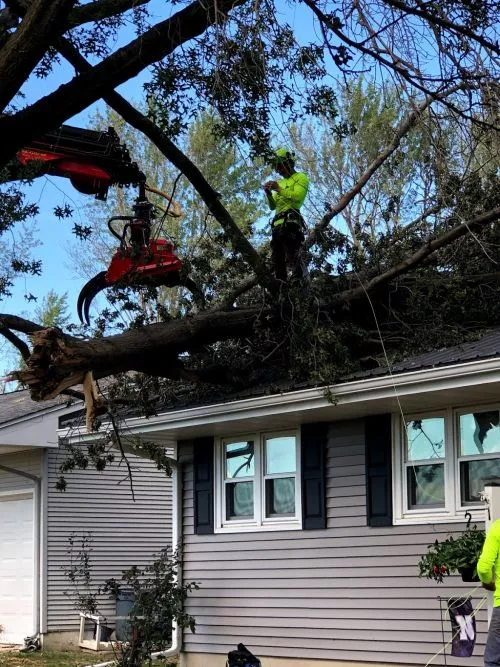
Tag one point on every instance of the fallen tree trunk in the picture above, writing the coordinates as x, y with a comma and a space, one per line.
59, 361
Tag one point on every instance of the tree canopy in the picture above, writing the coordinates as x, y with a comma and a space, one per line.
391, 106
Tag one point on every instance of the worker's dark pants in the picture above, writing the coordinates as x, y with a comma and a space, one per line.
492, 650
286, 246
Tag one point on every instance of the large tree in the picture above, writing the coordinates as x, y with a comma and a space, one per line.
396, 279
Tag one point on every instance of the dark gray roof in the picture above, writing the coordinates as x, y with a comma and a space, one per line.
488, 346
16, 404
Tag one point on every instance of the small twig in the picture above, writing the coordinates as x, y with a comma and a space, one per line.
122, 451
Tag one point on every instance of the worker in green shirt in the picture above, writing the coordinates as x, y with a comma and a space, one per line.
286, 197
488, 569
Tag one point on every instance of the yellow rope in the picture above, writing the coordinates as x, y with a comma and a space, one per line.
174, 210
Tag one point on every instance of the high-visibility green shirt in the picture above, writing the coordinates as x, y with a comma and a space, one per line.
490, 558
293, 191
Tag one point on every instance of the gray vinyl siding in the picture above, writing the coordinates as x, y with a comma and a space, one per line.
28, 461
349, 592
124, 532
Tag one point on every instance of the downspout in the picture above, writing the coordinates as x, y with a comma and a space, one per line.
38, 500
176, 539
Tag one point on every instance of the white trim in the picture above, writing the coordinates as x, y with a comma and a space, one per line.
24, 491
44, 492
411, 463
357, 391
453, 510
259, 523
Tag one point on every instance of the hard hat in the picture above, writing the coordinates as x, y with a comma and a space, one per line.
282, 154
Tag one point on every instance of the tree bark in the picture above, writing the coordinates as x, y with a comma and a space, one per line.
101, 9
26, 46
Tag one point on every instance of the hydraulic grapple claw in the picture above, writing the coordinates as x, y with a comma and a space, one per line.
139, 261
86, 296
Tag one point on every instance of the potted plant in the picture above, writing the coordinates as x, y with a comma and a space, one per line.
454, 555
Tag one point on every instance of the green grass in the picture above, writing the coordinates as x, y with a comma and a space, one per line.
56, 659
52, 659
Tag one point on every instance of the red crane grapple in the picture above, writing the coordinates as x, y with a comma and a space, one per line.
139, 261
153, 260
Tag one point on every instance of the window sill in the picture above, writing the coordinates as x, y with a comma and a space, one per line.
254, 528
478, 515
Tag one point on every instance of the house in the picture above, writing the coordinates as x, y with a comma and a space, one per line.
304, 518
37, 520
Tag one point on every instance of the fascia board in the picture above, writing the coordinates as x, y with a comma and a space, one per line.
370, 389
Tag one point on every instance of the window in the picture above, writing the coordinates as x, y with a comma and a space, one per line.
258, 485
425, 457
443, 461
479, 453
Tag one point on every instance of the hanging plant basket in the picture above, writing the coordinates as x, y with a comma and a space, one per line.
454, 555
469, 574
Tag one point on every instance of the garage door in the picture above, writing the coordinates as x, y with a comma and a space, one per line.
16, 568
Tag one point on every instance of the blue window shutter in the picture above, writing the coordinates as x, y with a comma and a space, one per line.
313, 464
378, 452
203, 486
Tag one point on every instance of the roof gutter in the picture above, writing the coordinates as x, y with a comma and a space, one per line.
356, 391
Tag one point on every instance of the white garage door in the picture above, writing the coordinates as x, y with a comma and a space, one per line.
16, 568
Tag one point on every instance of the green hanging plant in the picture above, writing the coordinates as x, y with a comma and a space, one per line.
454, 555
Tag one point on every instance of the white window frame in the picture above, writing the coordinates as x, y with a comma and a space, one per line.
479, 457
417, 462
260, 522
453, 511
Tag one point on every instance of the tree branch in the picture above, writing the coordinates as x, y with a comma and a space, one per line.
71, 98
396, 66
19, 324
401, 131
244, 286
93, 11
417, 258
19, 344
25, 47
101, 9
443, 22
